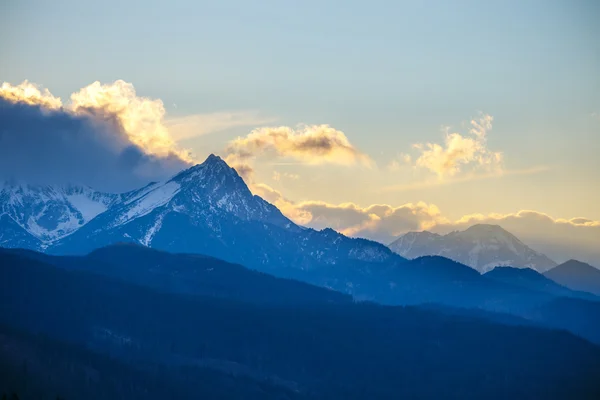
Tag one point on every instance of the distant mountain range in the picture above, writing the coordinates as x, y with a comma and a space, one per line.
208, 209
128, 322
482, 247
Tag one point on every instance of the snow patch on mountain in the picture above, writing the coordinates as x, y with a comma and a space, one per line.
51, 212
482, 247
151, 232
157, 196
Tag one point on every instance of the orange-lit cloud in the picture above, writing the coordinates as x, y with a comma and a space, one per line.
459, 152
378, 221
310, 144
142, 118
558, 238
286, 206
31, 94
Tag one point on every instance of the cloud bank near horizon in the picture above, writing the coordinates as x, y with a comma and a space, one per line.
558, 238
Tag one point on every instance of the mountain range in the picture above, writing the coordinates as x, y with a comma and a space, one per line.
481, 246
208, 209
120, 323
196, 281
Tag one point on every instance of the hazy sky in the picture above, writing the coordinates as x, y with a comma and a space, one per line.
385, 75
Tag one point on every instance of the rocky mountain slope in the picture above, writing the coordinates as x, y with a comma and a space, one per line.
482, 247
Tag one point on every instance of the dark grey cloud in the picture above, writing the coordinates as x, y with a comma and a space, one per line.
55, 146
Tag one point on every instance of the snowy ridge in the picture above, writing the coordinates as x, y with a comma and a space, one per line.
156, 196
205, 209
482, 247
50, 213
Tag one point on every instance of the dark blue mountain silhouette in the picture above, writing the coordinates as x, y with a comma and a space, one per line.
320, 351
576, 275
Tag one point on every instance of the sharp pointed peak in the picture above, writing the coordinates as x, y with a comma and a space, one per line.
214, 159
212, 162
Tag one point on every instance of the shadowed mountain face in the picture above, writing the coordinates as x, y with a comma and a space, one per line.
426, 280
189, 274
327, 350
576, 275
533, 280
482, 247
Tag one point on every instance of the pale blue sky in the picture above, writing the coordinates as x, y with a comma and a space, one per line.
387, 73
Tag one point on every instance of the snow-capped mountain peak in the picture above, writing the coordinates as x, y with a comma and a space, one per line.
206, 209
481, 246
51, 212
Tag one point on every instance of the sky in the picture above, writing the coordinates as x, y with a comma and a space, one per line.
374, 117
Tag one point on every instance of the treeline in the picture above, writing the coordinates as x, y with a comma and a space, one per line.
128, 341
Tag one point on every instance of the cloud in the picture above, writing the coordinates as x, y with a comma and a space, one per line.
278, 176
141, 118
313, 145
468, 177
559, 238
31, 94
286, 206
379, 222
397, 164
190, 126
105, 137
458, 151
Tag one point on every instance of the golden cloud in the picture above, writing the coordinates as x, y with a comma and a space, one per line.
314, 144
142, 118
286, 206
458, 151
31, 94
558, 238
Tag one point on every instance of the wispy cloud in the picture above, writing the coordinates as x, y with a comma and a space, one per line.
465, 178
191, 126
278, 176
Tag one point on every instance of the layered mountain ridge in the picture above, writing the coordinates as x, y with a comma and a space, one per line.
205, 209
